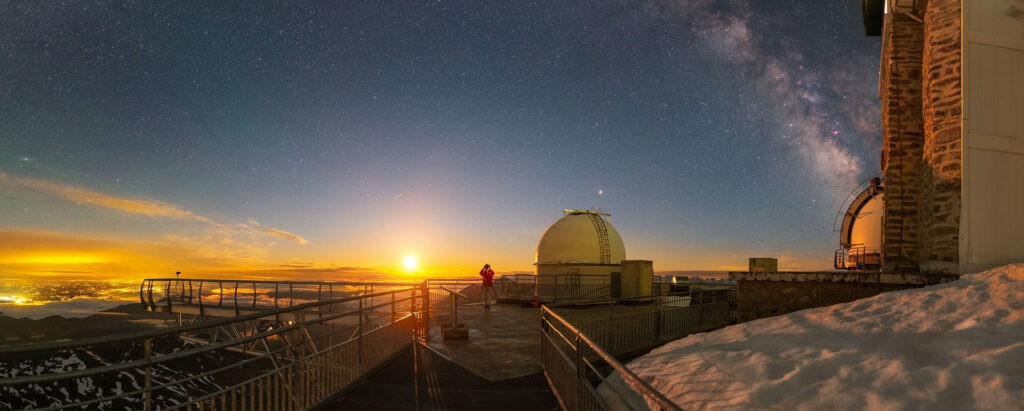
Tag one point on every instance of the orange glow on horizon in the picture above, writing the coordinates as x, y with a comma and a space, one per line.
58, 258
18, 300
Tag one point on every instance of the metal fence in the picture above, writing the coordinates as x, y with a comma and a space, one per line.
578, 357
202, 294
278, 359
567, 288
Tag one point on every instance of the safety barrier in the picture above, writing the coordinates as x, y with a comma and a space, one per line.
578, 357
276, 359
566, 288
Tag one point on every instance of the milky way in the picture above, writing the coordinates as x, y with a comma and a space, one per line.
455, 130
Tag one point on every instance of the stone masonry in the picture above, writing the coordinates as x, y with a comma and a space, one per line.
921, 152
763, 295
942, 169
902, 142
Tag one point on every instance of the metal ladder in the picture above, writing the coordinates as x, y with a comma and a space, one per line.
602, 238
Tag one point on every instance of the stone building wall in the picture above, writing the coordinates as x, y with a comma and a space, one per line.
763, 295
902, 141
942, 168
762, 299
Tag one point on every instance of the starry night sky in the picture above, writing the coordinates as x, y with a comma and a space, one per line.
233, 136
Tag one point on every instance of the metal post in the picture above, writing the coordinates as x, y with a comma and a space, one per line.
393, 307
220, 299
658, 318
454, 305
554, 289
147, 348
298, 385
200, 298
426, 310
580, 371
359, 366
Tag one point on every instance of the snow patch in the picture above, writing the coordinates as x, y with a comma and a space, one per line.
958, 345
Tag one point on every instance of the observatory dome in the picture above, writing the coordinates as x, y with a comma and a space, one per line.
580, 237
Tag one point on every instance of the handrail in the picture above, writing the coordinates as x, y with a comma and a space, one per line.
236, 280
63, 345
848, 200
301, 356
626, 373
454, 292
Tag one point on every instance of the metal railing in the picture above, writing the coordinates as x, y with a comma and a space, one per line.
578, 357
282, 359
858, 258
576, 287
249, 295
516, 287
566, 288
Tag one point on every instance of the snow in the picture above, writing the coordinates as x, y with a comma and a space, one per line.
958, 345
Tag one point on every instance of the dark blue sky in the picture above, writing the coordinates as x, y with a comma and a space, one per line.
452, 130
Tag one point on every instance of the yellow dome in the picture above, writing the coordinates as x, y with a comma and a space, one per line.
581, 237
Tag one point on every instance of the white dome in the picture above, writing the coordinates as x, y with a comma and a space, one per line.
576, 238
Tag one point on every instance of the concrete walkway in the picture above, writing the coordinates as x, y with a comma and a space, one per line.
504, 342
419, 379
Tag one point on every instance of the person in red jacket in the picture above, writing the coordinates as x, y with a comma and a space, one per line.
488, 274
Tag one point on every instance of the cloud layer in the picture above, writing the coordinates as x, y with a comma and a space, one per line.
148, 208
226, 233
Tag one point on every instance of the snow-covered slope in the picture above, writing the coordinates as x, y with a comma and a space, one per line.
954, 346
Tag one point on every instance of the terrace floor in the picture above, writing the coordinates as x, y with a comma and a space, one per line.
497, 367
419, 379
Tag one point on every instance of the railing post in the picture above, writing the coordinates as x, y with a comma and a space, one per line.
360, 336
167, 295
581, 372
298, 383
148, 351
658, 309
393, 307
200, 298
426, 311
554, 289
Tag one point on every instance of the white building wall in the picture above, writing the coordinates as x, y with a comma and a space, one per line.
992, 226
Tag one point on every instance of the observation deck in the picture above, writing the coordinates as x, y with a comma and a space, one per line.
250, 344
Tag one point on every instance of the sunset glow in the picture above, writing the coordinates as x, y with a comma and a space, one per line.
251, 157
409, 263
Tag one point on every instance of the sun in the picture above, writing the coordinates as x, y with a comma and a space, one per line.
409, 262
